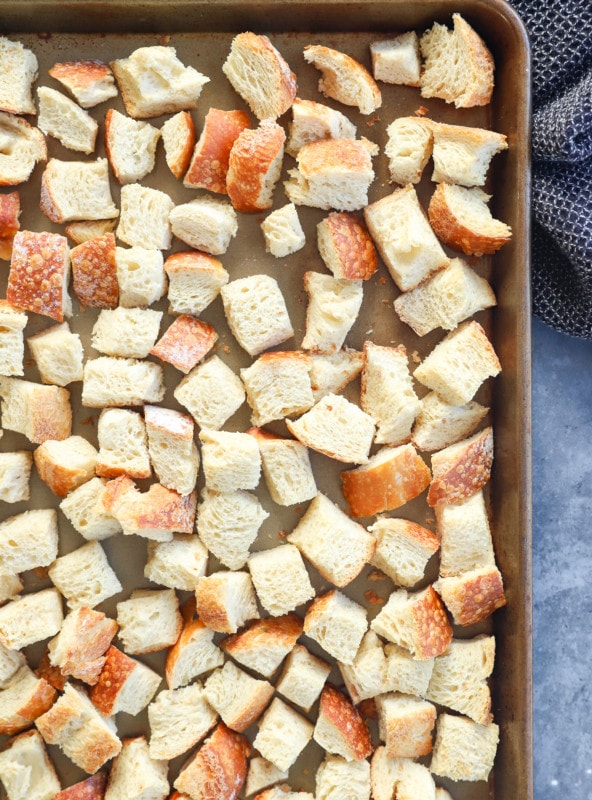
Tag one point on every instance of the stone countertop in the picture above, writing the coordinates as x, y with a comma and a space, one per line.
562, 564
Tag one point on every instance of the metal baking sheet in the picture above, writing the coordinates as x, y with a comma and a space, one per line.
201, 32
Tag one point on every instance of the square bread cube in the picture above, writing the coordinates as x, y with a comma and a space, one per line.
365, 677
346, 247
150, 620
12, 344
62, 118
64, 465
177, 564
337, 624
209, 159
303, 677
38, 412
58, 354
461, 469
230, 460
126, 332
179, 719
26, 771
123, 444
256, 313
144, 219
286, 467
195, 280
21, 67
185, 342
408, 148
211, 393
472, 596
278, 385
135, 773
330, 373
28, 540
226, 600
403, 549
39, 274
405, 724
228, 524
91, 201
463, 749
397, 60
271, 740
80, 646
407, 674
205, 224
15, 474
111, 381
283, 232
337, 546
30, 618
439, 424
173, 451
263, 644
238, 697
280, 579
124, 684
84, 576
193, 654
82, 508
465, 536
333, 307
27, 146
338, 778
220, 765
340, 728
94, 272
140, 275
130, 145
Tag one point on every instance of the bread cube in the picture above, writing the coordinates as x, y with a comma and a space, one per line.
20, 69
44, 288
38, 412
130, 145
12, 347
149, 620
256, 313
64, 465
228, 524
283, 232
177, 89
237, 697
140, 275
337, 624
89, 789
24, 147
90, 82
30, 618
172, 450
397, 60
121, 382
230, 460
408, 148
365, 677
416, 621
280, 579
91, 198
177, 564
465, 536
124, 684
123, 445
462, 155
337, 546
135, 774
179, 719
205, 224
262, 773
254, 166
24, 698
344, 79
331, 372
263, 644
340, 728
79, 648
218, 769
271, 740
94, 272
333, 307
144, 218
10, 209
28, 540
211, 393
312, 121
209, 162
402, 776
193, 654
405, 673
58, 354
440, 424
62, 118
405, 724
278, 385
462, 469
84, 576
337, 778
303, 677
463, 749
286, 467
185, 343
403, 549
346, 247
472, 596
195, 280
178, 139
225, 601
126, 332
83, 508
26, 771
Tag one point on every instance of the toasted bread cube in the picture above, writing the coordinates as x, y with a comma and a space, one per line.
264, 644
462, 469
123, 684
228, 524
218, 769
84, 576
462, 155
337, 546
238, 697
405, 673
312, 121
63, 119
211, 393
91, 201
205, 224
225, 601
193, 654
330, 373
405, 724
140, 274
111, 381
150, 620
23, 147
230, 460
278, 385
286, 467
58, 354
177, 89
26, 771
340, 728
79, 648
333, 307
83, 508
10, 209
195, 280
94, 272
262, 774
472, 596
28, 540
90, 82
271, 740
280, 579
64, 465
463, 749
337, 623
416, 621
337, 777
346, 247
30, 618
44, 288
440, 424
173, 452
38, 412
256, 313
135, 774
303, 677
24, 698
465, 536
123, 445
209, 161
12, 346
126, 332
185, 342
19, 70
344, 79
144, 219
397, 60
403, 549
365, 677
130, 145
177, 564
178, 138
254, 166
179, 719
283, 232
408, 148
92, 788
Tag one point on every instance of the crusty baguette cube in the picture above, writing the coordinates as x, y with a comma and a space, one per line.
211, 393
303, 677
44, 289
472, 596
185, 342
278, 385
84, 510
79, 648
463, 749
28, 540
92, 200
90, 82
440, 424
263, 644
271, 740
140, 275
462, 155
193, 654
62, 118
286, 468
254, 166
172, 450
228, 524
10, 209
280, 579
346, 247
24, 146
333, 307
58, 354
337, 777
124, 684
130, 145
465, 536
177, 564
149, 620
408, 149
330, 373
123, 445
144, 218
111, 381
205, 224
24, 698
238, 697
84, 576
365, 677
225, 601
405, 724
195, 280
126, 332
403, 549
283, 232
405, 673
38, 412
462, 469
30, 618
135, 773
337, 624
64, 465
344, 79
397, 60
19, 70
178, 139
218, 769
340, 729
312, 121
179, 719
94, 271
230, 460
26, 771
12, 345
209, 160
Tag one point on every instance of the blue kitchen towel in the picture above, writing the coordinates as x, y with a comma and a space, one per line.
561, 41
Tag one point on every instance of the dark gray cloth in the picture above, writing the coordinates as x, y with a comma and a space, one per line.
561, 41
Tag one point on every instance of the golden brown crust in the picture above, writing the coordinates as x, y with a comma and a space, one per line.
92, 788
327, 155
386, 486
185, 342
272, 631
165, 509
94, 272
80, 74
37, 268
346, 246
60, 478
191, 259
340, 714
459, 477
10, 208
209, 163
190, 628
52, 414
179, 163
474, 596
433, 631
211, 606
252, 156
32, 707
117, 669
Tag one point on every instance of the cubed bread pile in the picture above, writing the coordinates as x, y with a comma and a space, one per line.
345, 642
